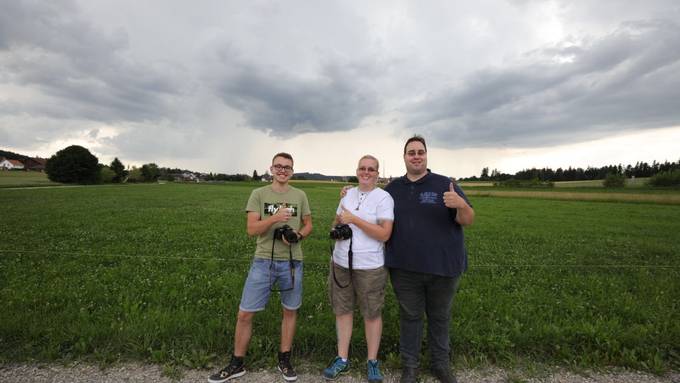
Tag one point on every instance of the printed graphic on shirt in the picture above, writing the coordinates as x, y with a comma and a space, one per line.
273, 208
428, 197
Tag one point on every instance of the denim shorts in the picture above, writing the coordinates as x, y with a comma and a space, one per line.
262, 278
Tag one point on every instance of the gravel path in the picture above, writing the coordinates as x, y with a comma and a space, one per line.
79, 373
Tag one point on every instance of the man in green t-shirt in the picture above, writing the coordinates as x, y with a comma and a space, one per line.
277, 265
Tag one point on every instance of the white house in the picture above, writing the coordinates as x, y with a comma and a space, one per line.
6, 164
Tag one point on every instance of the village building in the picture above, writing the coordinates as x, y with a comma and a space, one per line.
6, 164
35, 164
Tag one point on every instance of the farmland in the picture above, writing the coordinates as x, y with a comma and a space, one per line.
154, 273
24, 179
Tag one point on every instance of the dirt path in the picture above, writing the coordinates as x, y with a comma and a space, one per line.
80, 373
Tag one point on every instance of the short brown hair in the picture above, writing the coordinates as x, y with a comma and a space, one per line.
284, 155
416, 137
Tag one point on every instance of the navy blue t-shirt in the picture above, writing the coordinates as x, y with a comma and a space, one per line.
425, 237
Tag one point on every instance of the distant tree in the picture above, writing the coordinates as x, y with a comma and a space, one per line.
150, 172
135, 175
614, 180
669, 178
73, 164
485, 174
118, 169
353, 179
106, 175
255, 176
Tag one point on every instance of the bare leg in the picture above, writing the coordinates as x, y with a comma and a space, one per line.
244, 330
287, 329
343, 325
373, 329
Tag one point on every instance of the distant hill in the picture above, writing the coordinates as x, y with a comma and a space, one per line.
317, 177
13, 156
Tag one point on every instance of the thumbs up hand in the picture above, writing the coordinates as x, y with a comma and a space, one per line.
346, 216
452, 200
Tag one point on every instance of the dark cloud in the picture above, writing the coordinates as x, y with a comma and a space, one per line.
627, 80
77, 71
285, 104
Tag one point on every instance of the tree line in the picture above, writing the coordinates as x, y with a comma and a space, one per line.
640, 169
75, 164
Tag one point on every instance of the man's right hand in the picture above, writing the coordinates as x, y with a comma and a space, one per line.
282, 215
344, 190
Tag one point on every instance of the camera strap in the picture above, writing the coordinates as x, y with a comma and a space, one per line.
350, 257
290, 262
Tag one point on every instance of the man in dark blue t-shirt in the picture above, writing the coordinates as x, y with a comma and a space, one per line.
426, 256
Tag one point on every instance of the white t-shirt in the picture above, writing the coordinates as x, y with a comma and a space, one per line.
368, 253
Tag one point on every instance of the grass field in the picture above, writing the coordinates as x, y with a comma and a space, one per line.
154, 273
24, 179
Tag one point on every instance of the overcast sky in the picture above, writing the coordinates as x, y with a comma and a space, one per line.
223, 85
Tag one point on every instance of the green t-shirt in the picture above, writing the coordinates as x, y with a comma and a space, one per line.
267, 202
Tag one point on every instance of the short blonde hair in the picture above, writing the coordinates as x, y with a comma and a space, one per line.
370, 157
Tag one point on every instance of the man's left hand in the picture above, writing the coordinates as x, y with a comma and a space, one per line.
452, 200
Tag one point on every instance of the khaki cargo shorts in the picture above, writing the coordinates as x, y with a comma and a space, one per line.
367, 289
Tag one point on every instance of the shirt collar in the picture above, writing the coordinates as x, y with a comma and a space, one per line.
418, 181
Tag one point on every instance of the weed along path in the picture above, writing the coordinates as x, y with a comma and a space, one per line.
81, 373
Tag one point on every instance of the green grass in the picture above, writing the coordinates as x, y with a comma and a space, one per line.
154, 273
24, 179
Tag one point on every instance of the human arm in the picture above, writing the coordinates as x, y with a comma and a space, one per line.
379, 231
306, 228
465, 214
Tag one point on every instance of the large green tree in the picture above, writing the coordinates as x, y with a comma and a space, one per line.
73, 164
119, 169
150, 172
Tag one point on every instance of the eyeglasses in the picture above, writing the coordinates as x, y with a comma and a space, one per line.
278, 168
412, 153
365, 169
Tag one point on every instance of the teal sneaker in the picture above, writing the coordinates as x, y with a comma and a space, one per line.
336, 368
374, 374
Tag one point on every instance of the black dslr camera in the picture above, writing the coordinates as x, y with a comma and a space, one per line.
286, 232
341, 231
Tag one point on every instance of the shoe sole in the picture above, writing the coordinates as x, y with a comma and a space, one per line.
341, 373
237, 375
287, 378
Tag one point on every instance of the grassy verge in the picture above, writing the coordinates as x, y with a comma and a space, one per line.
154, 273
13, 179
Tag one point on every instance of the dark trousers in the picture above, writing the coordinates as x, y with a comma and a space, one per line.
420, 293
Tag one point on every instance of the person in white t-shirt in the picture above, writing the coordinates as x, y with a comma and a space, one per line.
369, 212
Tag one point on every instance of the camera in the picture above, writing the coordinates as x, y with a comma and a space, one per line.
286, 232
341, 231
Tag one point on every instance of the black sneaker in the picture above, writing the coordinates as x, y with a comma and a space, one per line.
409, 375
443, 374
286, 368
235, 369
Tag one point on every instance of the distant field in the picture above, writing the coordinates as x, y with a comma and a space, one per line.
154, 273
465, 184
630, 182
22, 178
662, 196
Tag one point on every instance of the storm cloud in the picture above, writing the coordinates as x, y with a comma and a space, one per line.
171, 81
285, 104
569, 92
76, 71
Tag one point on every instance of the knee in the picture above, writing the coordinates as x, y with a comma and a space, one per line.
245, 317
289, 314
411, 312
